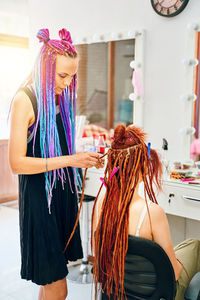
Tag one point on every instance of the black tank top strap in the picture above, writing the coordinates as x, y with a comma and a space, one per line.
32, 98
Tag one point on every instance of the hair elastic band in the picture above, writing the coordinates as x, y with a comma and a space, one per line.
46, 41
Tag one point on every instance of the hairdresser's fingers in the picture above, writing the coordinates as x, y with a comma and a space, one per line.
99, 164
95, 162
91, 160
102, 160
99, 167
85, 160
95, 155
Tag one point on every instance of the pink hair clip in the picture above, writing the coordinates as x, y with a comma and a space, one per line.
113, 172
131, 138
111, 175
101, 178
112, 138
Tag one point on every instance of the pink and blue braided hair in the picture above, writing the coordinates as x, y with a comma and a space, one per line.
44, 82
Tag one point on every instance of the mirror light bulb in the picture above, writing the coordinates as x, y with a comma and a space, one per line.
114, 35
134, 64
191, 97
96, 37
134, 97
187, 130
190, 62
131, 34
193, 26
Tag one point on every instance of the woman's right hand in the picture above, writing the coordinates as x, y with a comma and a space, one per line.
85, 160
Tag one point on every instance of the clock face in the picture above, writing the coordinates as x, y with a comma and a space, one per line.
169, 8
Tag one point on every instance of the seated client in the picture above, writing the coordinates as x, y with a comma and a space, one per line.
122, 213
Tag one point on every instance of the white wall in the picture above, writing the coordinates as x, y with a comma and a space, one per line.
14, 17
165, 46
19, 7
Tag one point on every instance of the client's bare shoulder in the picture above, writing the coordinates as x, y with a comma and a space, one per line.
160, 226
157, 214
156, 210
154, 227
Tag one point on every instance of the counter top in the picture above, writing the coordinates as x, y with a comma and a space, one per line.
181, 184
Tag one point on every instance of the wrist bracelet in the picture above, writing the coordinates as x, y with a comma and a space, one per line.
46, 165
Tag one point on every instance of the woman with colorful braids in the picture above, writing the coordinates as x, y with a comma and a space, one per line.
122, 212
42, 152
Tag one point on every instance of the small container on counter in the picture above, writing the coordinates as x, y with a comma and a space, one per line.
177, 165
101, 146
197, 163
186, 166
95, 139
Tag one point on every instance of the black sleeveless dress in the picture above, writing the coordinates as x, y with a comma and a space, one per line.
43, 236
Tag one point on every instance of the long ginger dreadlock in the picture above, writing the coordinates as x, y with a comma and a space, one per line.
129, 154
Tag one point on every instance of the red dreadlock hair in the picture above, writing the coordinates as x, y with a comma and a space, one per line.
129, 153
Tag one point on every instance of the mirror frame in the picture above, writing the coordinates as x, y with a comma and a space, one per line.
188, 90
196, 104
139, 57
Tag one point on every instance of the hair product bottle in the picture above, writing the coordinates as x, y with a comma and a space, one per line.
165, 160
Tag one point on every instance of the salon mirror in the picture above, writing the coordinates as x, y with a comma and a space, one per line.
104, 82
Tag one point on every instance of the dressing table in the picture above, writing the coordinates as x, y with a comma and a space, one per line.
177, 198
180, 199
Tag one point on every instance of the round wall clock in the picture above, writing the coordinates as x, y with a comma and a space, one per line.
169, 8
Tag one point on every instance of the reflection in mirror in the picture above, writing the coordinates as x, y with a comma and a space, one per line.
104, 82
195, 143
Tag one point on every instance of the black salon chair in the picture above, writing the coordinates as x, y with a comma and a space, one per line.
149, 274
